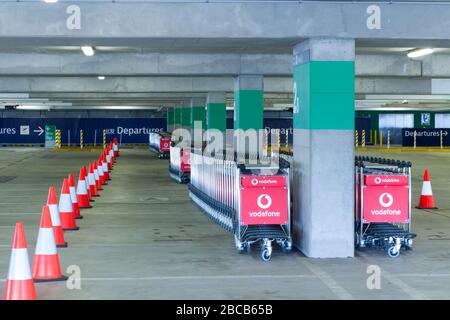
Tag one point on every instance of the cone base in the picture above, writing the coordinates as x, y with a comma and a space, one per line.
62, 278
19, 290
64, 245
87, 207
433, 208
97, 195
79, 217
71, 229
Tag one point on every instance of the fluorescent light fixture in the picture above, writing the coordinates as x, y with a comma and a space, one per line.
50, 1
420, 52
88, 51
101, 77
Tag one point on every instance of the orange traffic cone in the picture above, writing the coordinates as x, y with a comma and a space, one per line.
52, 204
74, 198
105, 167
426, 198
98, 184
92, 183
86, 179
116, 147
46, 261
19, 283
113, 154
82, 192
109, 158
66, 208
101, 173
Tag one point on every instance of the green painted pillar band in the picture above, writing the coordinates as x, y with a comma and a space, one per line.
170, 119
198, 113
216, 116
185, 117
177, 117
324, 95
248, 109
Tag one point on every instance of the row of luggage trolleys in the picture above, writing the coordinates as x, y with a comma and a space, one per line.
383, 204
250, 201
253, 201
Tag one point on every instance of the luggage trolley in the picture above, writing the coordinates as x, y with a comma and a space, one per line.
263, 209
179, 164
160, 144
383, 204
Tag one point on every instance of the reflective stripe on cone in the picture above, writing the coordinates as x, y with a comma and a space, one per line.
66, 208
19, 283
46, 265
52, 203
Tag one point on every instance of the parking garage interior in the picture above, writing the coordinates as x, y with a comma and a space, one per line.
101, 70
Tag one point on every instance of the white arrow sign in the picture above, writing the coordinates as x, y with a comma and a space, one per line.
40, 131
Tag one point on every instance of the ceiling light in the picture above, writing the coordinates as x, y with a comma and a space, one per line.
420, 52
88, 51
101, 77
50, 1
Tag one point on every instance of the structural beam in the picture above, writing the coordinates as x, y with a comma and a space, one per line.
202, 64
206, 22
178, 88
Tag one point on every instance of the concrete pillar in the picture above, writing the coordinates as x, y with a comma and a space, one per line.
216, 111
248, 104
177, 118
198, 112
324, 147
170, 120
185, 120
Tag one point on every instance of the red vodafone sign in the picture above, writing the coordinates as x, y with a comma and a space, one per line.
164, 144
264, 200
386, 203
185, 160
385, 180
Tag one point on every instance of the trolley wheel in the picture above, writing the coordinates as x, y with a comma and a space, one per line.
393, 253
265, 255
240, 249
286, 246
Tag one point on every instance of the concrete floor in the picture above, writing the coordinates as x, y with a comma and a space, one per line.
144, 239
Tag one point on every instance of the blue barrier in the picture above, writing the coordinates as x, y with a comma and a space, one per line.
31, 130
132, 130
425, 137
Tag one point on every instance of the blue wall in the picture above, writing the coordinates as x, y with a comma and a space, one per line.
285, 124
133, 130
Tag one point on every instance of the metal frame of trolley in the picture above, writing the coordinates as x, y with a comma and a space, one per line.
264, 234
394, 233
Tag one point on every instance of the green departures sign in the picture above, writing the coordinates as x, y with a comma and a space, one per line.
50, 136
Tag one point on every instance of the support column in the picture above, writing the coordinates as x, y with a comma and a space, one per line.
198, 112
216, 111
170, 120
324, 74
176, 118
248, 104
186, 116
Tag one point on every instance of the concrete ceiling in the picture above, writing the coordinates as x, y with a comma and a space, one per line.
150, 58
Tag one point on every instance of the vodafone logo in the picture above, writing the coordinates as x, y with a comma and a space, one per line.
386, 200
255, 182
377, 180
264, 198
166, 144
